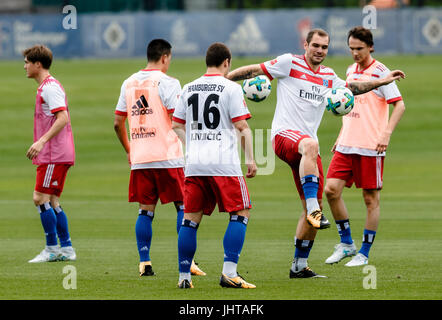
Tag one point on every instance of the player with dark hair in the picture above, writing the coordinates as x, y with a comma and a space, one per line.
52, 151
147, 100
302, 83
216, 54
210, 110
359, 151
158, 48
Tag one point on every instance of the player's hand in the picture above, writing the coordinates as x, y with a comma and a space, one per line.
128, 157
35, 149
251, 169
383, 142
394, 75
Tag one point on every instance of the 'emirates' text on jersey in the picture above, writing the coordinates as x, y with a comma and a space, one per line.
300, 93
209, 106
169, 90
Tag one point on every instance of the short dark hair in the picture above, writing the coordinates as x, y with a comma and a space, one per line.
216, 54
319, 31
157, 48
362, 34
39, 53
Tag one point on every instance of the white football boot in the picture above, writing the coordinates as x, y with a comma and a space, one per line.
67, 254
49, 254
342, 250
358, 260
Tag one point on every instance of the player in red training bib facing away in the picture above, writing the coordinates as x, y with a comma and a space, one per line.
302, 84
52, 151
147, 100
359, 152
210, 111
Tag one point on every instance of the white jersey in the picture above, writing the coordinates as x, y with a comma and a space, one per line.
300, 93
169, 90
53, 96
208, 107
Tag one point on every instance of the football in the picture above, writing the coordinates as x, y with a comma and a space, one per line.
257, 89
339, 101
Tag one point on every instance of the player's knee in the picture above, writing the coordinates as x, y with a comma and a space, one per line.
194, 217
371, 199
55, 201
245, 213
331, 192
39, 198
310, 148
147, 207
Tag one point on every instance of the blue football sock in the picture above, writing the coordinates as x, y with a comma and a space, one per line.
179, 217
367, 241
143, 232
62, 227
310, 186
302, 251
49, 223
302, 248
344, 231
234, 238
186, 245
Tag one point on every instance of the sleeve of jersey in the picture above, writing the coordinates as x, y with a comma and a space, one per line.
170, 94
390, 91
121, 108
54, 97
278, 67
238, 106
338, 82
179, 114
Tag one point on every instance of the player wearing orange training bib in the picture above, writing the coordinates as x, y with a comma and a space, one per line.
359, 151
147, 100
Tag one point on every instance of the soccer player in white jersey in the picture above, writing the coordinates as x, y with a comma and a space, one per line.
147, 100
52, 151
359, 152
302, 84
210, 111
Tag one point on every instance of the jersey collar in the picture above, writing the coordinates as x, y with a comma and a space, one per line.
362, 71
150, 70
45, 80
310, 68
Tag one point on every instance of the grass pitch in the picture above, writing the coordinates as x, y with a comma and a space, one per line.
406, 254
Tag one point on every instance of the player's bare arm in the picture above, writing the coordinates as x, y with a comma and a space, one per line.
360, 87
120, 130
180, 130
396, 115
247, 146
61, 121
245, 72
